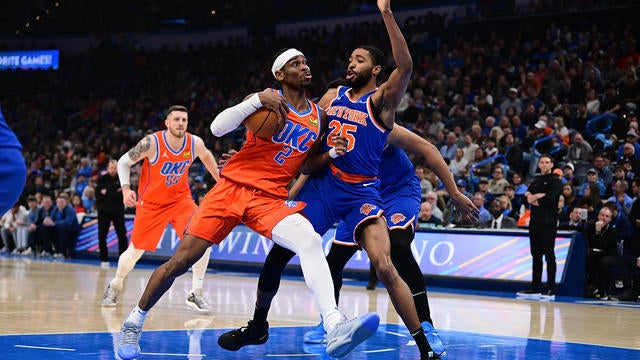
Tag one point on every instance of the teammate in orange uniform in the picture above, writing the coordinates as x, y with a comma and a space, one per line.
165, 197
253, 190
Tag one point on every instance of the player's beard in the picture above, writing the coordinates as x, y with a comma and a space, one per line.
360, 80
178, 134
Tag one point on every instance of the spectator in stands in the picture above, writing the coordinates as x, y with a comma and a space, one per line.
76, 202
479, 167
469, 148
425, 185
593, 178
602, 168
631, 138
459, 165
34, 241
568, 176
602, 241
63, 227
575, 221
592, 102
448, 150
499, 219
89, 199
479, 201
620, 198
434, 200
14, 229
426, 217
498, 182
512, 101
516, 201
580, 151
490, 147
591, 201
462, 186
519, 184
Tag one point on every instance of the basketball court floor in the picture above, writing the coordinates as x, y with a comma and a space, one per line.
50, 309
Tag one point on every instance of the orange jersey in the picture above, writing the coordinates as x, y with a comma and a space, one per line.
163, 180
270, 164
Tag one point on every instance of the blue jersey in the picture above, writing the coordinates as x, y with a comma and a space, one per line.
400, 192
353, 119
397, 175
7, 136
13, 172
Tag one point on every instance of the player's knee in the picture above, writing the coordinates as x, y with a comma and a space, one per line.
385, 271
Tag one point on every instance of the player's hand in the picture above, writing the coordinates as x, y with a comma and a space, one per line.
225, 157
129, 197
465, 209
275, 102
384, 5
340, 144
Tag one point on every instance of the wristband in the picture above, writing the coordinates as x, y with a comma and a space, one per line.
332, 153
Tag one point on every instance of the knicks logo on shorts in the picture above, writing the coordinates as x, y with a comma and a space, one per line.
366, 209
397, 218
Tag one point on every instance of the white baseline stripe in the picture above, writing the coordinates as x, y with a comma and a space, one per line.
43, 347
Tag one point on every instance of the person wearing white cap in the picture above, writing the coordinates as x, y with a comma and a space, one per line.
512, 100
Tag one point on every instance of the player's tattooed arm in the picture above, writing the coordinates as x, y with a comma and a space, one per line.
141, 149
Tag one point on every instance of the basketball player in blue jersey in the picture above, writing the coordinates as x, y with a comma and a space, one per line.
13, 172
348, 189
400, 192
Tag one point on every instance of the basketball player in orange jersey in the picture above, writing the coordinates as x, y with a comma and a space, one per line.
164, 197
253, 190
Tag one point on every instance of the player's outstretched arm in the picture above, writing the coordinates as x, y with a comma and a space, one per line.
405, 139
394, 88
145, 148
206, 157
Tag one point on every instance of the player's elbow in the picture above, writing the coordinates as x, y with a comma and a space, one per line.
217, 130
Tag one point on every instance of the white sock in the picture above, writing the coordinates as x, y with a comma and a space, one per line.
198, 270
137, 316
330, 318
126, 262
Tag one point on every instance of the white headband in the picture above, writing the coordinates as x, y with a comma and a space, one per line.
282, 59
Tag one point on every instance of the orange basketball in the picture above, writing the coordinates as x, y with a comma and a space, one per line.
263, 123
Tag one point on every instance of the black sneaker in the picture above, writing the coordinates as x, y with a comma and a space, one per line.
247, 335
529, 293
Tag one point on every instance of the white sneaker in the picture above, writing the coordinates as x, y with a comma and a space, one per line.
350, 333
110, 297
197, 301
104, 265
27, 252
129, 347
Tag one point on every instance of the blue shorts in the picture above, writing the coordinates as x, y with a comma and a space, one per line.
400, 211
330, 200
13, 175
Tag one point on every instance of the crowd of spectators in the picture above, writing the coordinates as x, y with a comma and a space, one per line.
491, 102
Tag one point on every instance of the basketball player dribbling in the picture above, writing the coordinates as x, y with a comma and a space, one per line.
164, 197
364, 114
253, 190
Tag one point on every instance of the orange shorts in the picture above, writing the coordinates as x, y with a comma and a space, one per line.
229, 204
151, 220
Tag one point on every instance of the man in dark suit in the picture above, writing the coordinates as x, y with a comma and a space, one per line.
499, 220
